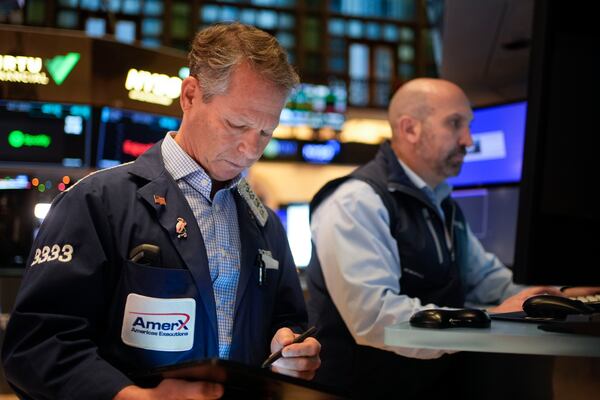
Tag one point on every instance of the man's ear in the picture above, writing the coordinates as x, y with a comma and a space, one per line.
190, 92
409, 127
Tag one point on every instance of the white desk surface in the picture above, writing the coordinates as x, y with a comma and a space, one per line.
501, 337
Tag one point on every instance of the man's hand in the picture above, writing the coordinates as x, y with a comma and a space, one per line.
581, 291
173, 389
515, 303
299, 359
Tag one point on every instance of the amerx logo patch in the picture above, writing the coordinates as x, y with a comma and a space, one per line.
159, 324
155, 324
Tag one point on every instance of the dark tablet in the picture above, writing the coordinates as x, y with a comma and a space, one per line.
241, 380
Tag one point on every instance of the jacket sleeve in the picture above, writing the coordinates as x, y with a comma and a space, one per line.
50, 349
290, 308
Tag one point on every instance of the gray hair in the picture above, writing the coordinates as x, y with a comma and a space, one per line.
218, 49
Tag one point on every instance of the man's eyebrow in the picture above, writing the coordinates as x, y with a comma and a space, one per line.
466, 117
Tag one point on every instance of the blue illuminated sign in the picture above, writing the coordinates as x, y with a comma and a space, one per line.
168, 123
320, 153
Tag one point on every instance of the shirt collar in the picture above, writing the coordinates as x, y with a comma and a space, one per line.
181, 166
177, 162
440, 192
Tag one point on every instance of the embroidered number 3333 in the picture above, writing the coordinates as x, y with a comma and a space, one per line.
56, 252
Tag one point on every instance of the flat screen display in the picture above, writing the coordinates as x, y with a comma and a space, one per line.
316, 106
557, 230
296, 220
496, 156
124, 135
16, 227
492, 217
51, 134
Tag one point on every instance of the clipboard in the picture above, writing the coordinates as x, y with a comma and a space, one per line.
241, 381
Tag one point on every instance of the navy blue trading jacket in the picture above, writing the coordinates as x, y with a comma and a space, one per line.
83, 299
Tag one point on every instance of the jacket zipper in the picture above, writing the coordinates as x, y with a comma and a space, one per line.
451, 245
448, 236
435, 238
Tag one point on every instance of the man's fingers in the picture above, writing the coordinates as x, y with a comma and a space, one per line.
581, 291
309, 347
299, 364
300, 360
306, 375
282, 338
541, 290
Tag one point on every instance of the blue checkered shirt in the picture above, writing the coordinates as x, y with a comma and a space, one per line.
217, 219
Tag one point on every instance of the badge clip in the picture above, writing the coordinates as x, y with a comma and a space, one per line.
262, 270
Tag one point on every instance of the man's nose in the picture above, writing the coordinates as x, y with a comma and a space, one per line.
249, 144
466, 139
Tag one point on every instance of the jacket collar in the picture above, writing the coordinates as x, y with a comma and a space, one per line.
395, 172
149, 165
398, 179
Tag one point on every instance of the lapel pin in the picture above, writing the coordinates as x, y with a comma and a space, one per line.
180, 228
161, 201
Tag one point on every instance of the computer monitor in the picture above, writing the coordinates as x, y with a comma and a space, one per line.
124, 135
316, 106
492, 216
16, 223
44, 134
559, 218
296, 220
497, 152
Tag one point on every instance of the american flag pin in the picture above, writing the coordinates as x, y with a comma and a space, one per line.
180, 228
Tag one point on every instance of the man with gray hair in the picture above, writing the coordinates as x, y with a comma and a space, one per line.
171, 258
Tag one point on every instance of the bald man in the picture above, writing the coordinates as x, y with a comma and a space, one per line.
390, 241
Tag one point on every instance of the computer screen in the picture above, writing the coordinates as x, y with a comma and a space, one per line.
557, 231
123, 135
492, 217
316, 106
16, 225
44, 134
296, 220
497, 152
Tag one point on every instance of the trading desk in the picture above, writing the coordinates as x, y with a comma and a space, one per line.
501, 337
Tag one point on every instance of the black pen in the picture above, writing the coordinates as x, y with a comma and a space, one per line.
298, 339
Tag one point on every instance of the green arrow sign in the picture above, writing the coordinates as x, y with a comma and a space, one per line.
60, 67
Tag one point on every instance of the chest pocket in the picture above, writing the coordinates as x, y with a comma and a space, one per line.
159, 319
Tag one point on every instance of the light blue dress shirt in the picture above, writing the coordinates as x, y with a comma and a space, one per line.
361, 265
218, 222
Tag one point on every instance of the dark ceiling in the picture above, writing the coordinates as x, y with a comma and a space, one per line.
485, 48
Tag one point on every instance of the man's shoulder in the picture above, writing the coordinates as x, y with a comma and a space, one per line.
354, 188
101, 178
350, 193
